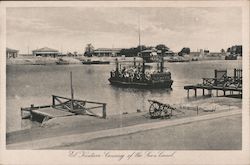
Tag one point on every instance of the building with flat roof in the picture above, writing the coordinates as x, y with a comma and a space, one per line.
11, 53
45, 52
107, 52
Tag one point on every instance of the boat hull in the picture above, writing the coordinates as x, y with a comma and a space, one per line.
95, 62
151, 85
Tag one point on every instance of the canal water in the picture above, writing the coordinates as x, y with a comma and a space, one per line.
34, 84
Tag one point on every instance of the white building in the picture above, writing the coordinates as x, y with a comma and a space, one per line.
107, 52
45, 52
11, 53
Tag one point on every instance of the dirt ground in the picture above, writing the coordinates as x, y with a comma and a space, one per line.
217, 134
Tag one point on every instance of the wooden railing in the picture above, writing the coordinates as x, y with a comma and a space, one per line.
78, 106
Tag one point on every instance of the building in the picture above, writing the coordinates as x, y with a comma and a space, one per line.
11, 53
236, 49
168, 53
107, 52
150, 55
45, 52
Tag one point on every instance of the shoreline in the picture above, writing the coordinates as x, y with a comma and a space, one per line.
70, 126
72, 139
30, 60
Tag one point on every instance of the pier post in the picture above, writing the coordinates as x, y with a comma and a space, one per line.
188, 93
210, 92
104, 115
53, 101
195, 92
224, 92
203, 92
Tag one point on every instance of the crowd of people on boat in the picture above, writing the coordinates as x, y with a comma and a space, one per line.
131, 73
134, 73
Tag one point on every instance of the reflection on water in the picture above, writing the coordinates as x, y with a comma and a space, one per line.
33, 84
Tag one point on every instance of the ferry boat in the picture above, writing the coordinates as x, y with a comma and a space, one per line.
137, 76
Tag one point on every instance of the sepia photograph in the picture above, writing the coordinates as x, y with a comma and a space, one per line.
125, 81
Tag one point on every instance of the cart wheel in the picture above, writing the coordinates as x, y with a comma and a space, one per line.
154, 110
167, 111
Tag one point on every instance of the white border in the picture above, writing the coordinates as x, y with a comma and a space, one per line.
181, 157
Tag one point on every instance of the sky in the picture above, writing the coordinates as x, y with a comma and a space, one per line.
69, 29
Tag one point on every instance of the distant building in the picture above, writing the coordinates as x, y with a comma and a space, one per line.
165, 54
45, 52
195, 54
236, 49
100, 52
150, 55
168, 53
11, 53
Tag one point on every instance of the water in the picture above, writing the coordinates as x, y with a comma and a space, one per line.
34, 84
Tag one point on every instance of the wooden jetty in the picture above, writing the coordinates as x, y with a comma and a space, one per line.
220, 82
63, 106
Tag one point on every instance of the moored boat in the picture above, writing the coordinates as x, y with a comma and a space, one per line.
137, 76
89, 62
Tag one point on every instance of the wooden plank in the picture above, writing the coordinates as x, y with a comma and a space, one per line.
37, 107
211, 88
52, 112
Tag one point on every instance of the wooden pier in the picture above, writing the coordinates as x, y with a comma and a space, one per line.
221, 82
63, 106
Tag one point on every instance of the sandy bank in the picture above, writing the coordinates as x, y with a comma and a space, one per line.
30, 60
40, 60
203, 135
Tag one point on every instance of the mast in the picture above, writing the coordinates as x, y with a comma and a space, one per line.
139, 31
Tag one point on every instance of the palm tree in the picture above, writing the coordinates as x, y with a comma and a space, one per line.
89, 50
